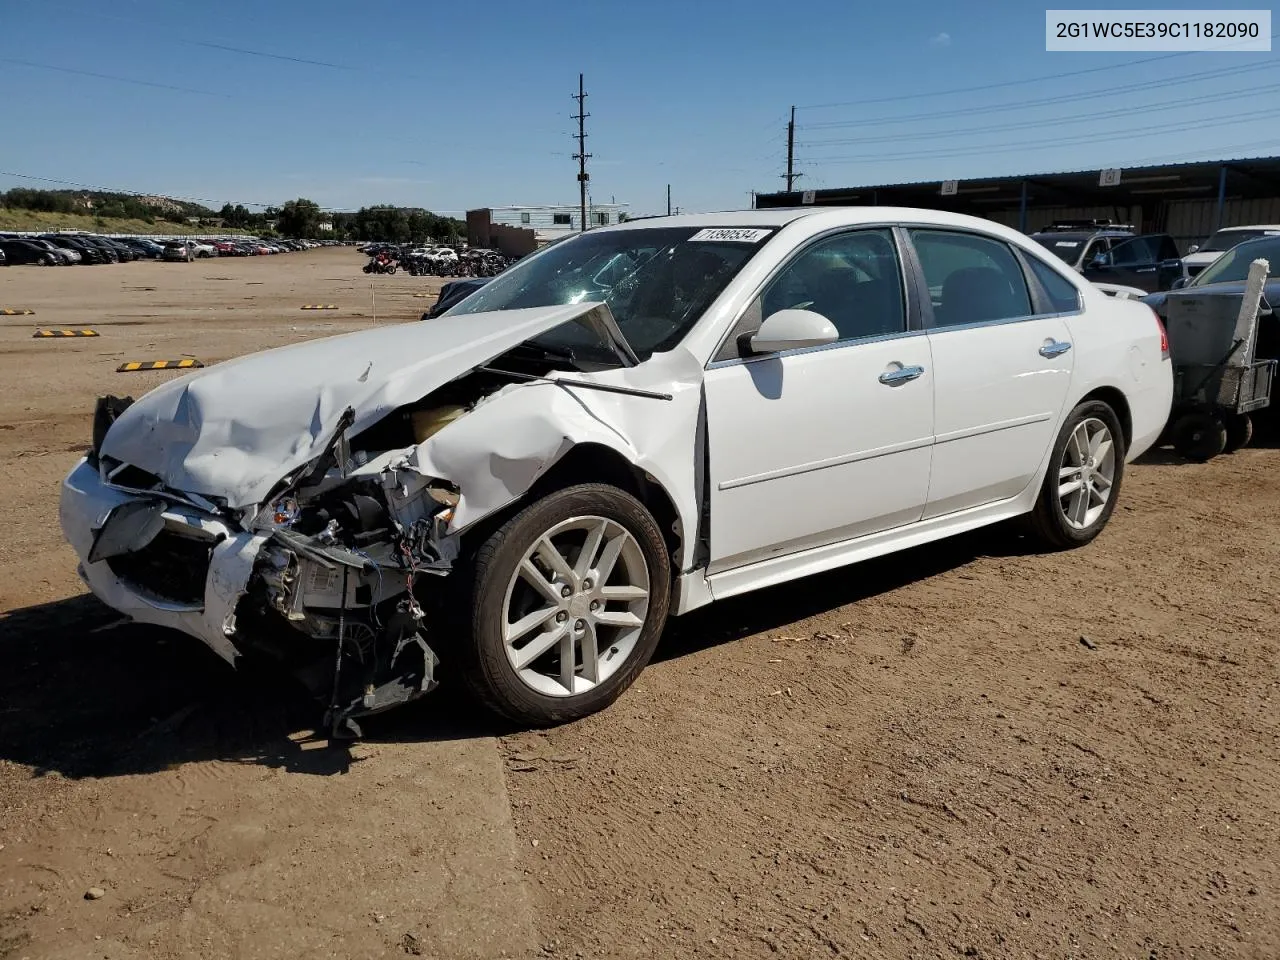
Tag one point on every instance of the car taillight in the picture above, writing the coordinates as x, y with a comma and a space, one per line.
1164, 336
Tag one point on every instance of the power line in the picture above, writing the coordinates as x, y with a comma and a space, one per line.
107, 76
229, 47
1042, 144
1046, 101
1219, 151
1010, 83
270, 56
1051, 121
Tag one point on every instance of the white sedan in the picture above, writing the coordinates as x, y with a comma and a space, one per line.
529, 485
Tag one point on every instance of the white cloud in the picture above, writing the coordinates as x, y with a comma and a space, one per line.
940, 40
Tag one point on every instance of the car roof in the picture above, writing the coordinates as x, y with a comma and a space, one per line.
1100, 232
814, 219
1252, 226
1256, 242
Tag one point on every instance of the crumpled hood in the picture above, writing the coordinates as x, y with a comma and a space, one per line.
233, 430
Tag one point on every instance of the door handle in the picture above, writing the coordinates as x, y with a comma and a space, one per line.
1054, 348
891, 378
1145, 270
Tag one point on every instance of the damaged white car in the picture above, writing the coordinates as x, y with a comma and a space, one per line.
630, 424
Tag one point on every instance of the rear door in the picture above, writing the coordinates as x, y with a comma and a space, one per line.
1002, 365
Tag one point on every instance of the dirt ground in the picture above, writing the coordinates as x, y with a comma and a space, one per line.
966, 750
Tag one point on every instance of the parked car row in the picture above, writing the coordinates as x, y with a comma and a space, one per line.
64, 250
1121, 261
434, 261
67, 249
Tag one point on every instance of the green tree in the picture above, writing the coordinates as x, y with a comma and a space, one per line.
299, 218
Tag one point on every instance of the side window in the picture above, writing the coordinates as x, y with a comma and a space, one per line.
1099, 247
1062, 294
854, 280
971, 279
1168, 250
1134, 252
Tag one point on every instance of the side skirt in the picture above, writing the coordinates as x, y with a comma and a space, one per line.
695, 589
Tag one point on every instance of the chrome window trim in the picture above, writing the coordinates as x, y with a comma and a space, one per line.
999, 323
904, 281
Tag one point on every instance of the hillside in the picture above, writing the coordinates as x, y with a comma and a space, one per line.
17, 219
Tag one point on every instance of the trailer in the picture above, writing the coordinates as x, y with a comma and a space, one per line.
1218, 382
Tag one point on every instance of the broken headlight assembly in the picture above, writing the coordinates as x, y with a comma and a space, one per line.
341, 566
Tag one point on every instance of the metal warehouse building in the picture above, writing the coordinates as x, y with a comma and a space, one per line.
1187, 200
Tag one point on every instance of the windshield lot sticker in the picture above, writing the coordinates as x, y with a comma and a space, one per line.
730, 235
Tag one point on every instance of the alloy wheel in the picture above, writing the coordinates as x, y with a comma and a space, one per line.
1086, 473
575, 606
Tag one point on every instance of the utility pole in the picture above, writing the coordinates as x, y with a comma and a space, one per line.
582, 155
791, 150
668, 199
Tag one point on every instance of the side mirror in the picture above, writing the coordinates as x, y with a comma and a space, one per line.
1179, 283
793, 329
1099, 260
1193, 248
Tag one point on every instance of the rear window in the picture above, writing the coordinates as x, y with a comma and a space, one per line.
1066, 247
1062, 293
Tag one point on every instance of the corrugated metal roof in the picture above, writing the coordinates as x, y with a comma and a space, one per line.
1206, 166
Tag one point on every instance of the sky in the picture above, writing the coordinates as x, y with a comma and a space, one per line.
452, 106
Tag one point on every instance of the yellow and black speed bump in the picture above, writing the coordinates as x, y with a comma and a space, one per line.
65, 333
423, 296
16, 312
321, 306
135, 365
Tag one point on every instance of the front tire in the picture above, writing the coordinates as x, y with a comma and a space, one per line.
566, 603
1083, 480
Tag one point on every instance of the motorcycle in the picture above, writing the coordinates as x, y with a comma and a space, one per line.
380, 266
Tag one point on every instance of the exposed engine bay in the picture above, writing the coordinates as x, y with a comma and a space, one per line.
347, 550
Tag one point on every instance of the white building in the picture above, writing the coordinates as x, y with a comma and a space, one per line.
517, 230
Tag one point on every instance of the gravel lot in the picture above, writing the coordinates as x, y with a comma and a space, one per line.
916, 757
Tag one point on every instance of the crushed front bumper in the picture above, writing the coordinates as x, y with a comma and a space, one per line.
85, 505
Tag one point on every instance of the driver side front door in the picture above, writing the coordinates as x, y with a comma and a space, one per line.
818, 445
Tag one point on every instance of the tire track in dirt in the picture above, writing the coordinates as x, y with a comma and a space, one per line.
134, 760
919, 757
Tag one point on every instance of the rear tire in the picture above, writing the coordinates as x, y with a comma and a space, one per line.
1082, 481
1239, 432
1199, 437
510, 583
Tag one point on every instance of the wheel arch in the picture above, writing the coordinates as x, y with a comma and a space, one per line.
1117, 401
593, 462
